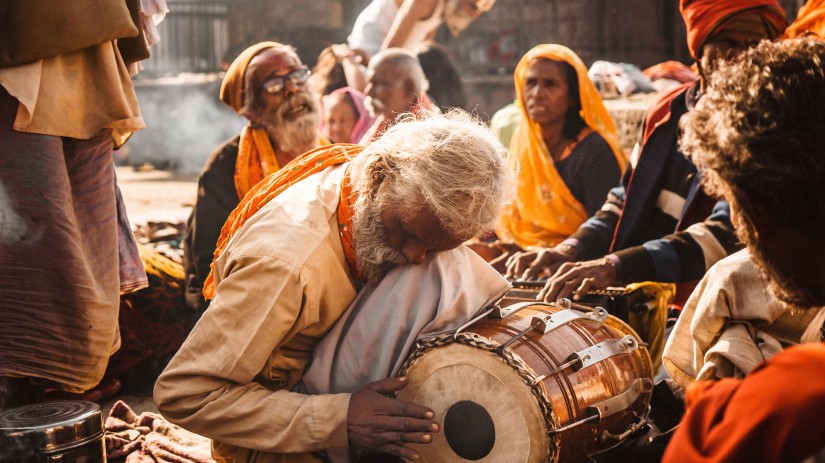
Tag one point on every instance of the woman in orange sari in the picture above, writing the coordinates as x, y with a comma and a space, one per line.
566, 148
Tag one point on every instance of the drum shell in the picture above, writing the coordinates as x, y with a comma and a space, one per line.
571, 393
64, 431
568, 394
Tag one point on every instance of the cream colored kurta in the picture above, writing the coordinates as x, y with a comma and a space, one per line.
281, 284
731, 323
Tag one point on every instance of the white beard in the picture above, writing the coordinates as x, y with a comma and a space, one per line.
297, 135
373, 256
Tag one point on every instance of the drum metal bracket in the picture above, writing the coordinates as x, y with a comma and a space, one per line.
604, 350
498, 312
550, 322
513, 308
611, 406
592, 355
622, 401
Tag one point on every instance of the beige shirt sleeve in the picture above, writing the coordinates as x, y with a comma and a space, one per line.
212, 386
711, 328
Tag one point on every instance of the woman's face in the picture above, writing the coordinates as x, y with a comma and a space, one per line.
340, 118
546, 95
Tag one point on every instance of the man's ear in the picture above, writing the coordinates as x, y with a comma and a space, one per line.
378, 171
410, 90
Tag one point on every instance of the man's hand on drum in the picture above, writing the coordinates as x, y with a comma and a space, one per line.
379, 424
578, 278
529, 265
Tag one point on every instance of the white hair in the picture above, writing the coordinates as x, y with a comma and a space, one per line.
406, 60
452, 164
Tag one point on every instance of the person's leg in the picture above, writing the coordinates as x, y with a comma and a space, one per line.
59, 283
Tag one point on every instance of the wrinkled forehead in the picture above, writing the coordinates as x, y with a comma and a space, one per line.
274, 60
390, 68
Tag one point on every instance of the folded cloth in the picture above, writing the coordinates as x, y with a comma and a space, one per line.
731, 323
378, 330
148, 438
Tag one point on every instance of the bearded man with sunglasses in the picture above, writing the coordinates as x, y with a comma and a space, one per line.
267, 85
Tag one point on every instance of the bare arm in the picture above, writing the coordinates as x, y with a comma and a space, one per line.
354, 63
409, 12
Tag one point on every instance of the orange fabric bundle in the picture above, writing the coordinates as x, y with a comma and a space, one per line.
546, 212
774, 414
673, 70
298, 169
256, 159
232, 87
810, 20
704, 17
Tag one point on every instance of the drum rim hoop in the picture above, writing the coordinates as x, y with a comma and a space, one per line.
510, 358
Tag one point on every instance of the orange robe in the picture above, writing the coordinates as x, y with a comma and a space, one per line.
298, 169
775, 414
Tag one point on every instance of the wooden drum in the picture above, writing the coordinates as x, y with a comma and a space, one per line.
531, 382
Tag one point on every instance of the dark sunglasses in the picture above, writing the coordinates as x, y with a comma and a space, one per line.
276, 84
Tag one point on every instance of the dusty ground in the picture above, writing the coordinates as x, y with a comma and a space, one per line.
156, 195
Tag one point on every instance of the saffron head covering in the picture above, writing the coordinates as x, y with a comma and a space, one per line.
810, 20
703, 18
365, 120
545, 211
232, 87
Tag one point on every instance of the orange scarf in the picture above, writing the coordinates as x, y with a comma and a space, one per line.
545, 211
704, 17
810, 20
256, 159
298, 169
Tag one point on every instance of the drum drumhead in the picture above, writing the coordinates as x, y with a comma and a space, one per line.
486, 411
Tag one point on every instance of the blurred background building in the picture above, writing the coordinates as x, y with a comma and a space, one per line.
179, 85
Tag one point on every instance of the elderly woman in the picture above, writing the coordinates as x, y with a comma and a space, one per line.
566, 147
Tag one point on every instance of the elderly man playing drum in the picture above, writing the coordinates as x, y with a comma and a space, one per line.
298, 250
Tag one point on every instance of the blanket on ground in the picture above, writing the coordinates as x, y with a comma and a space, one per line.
149, 438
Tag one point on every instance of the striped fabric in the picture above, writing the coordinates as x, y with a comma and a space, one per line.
60, 255
668, 242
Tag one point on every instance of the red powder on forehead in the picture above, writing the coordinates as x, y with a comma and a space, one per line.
273, 57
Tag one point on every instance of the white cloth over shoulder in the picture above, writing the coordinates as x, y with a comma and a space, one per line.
731, 323
377, 331
373, 25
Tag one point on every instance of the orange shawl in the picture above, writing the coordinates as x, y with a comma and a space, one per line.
810, 20
545, 211
256, 159
298, 169
704, 17
774, 414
